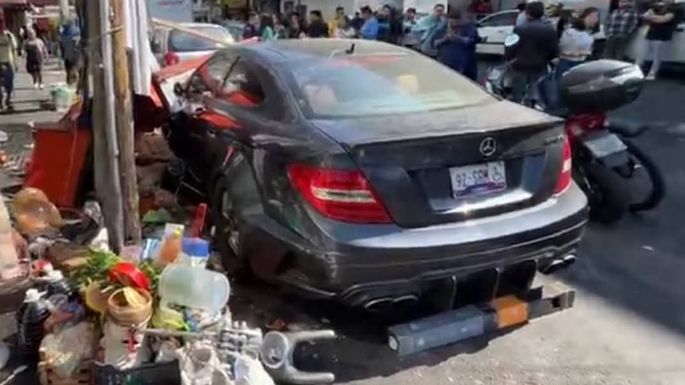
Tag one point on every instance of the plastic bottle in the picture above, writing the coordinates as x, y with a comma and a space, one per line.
9, 262
58, 285
195, 252
171, 248
193, 287
30, 317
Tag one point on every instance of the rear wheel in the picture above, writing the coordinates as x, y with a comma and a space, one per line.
226, 232
658, 185
609, 200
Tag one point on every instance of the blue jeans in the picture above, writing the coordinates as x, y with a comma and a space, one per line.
6, 83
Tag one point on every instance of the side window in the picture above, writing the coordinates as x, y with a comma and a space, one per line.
500, 20
209, 77
242, 86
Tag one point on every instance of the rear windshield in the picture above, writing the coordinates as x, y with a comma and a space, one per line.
368, 85
185, 42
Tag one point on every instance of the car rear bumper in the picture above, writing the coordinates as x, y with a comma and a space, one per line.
386, 258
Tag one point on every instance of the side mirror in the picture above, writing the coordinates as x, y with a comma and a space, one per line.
178, 90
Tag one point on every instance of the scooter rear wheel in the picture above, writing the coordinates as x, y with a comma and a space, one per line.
609, 199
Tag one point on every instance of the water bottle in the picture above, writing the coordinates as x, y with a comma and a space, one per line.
30, 317
58, 285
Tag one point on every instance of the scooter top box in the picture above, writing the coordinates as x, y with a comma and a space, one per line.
600, 86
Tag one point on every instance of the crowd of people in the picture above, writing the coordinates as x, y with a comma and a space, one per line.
450, 38
571, 41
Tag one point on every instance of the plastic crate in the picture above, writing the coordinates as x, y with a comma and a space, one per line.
167, 373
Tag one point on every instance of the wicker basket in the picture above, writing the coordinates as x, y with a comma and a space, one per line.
48, 376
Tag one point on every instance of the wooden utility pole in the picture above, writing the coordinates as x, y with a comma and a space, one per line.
124, 124
105, 161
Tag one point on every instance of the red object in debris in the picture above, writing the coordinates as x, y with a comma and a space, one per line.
59, 158
130, 275
199, 221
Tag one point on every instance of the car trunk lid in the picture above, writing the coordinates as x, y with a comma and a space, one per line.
455, 165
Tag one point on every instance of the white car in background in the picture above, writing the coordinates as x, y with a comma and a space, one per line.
496, 27
172, 46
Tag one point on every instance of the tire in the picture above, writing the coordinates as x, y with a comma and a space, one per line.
658, 183
234, 263
609, 200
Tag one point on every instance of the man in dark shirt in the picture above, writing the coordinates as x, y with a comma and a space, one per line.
538, 45
317, 26
662, 22
251, 28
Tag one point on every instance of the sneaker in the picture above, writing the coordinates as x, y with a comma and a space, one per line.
650, 77
41, 86
35, 85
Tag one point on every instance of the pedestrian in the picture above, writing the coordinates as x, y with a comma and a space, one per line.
521, 17
357, 21
266, 28
430, 27
8, 66
392, 30
69, 45
662, 22
619, 28
317, 25
279, 27
333, 24
295, 26
537, 46
411, 38
344, 29
35, 55
575, 44
251, 29
457, 45
369, 29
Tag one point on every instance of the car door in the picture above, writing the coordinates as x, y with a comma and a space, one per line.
494, 29
200, 113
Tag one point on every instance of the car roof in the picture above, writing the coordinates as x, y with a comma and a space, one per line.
284, 50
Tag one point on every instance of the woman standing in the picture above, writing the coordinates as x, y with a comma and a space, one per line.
266, 28
35, 54
575, 44
344, 29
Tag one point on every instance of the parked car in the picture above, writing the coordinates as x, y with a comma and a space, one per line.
367, 172
235, 28
172, 46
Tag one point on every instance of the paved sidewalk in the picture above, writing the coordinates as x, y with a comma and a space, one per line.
27, 100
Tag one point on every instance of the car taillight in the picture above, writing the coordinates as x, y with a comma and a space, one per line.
171, 58
577, 125
343, 195
564, 181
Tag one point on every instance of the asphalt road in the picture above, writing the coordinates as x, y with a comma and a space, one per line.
628, 325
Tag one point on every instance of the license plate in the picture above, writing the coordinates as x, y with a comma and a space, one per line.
478, 179
604, 145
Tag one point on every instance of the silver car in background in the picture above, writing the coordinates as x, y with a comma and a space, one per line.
172, 46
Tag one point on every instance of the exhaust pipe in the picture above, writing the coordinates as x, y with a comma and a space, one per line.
406, 300
378, 304
558, 264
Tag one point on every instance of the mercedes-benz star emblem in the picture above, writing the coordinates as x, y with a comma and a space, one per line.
488, 146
